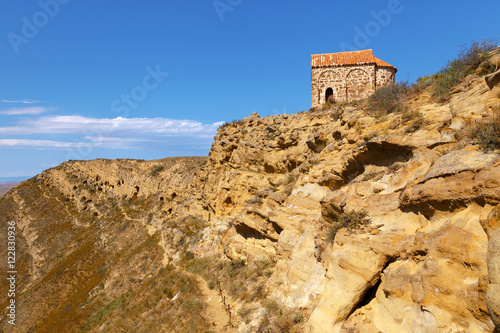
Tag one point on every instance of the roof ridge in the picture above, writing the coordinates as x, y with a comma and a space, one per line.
347, 58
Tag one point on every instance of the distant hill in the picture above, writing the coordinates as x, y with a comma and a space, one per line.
4, 188
12, 180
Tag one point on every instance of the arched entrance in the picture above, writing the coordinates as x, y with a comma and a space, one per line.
329, 95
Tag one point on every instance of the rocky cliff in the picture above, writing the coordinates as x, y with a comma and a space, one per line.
337, 219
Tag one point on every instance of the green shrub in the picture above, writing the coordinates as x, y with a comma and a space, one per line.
232, 123
156, 170
389, 99
244, 312
350, 220
422, 83
258, 292
108, 309
447, 78
472, 56
487, 134
297, 317
272, 306
235, 268
197, 265
189, 255
469, 58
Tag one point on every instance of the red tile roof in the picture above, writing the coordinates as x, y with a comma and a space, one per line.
347, 59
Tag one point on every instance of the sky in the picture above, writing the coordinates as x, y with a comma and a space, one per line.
81, 80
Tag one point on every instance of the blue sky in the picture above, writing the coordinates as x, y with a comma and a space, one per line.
153, 79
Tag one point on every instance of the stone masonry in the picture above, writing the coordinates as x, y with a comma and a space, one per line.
346, 76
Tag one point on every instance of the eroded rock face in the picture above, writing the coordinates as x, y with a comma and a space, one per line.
492, 79
419, 265
456, 179
351, 272
492, 227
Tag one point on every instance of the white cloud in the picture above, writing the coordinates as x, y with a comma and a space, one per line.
33, 110
97, 127
114, 143
24, 143
86, 143
24, 101
78, 133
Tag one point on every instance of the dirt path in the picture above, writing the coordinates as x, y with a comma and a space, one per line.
214, 311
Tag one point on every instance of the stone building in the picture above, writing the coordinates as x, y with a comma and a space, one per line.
346, 76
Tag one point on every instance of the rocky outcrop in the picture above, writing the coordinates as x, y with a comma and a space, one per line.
454, 180
424, 193
492, 79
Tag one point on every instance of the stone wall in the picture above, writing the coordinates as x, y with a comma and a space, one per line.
360, 83
348, 82
384, 76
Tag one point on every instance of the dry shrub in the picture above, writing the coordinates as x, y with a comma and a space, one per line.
241, 281
389, 99
487, 134
233, 123
350, 220
416, 118
278, 318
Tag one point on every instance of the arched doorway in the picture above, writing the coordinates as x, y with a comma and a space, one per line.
329, 95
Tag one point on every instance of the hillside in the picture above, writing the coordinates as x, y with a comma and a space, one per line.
337, 219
